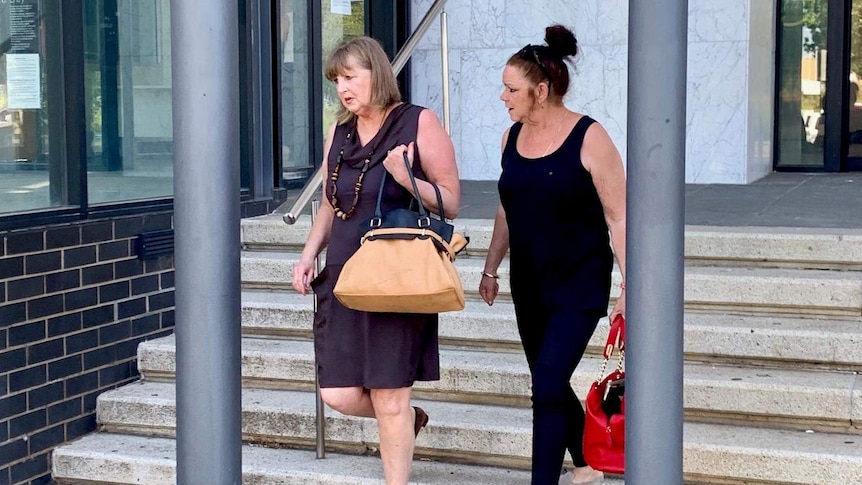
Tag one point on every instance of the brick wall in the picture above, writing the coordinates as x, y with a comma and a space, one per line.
75, 301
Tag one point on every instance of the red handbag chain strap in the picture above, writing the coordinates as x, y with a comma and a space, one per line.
616, 340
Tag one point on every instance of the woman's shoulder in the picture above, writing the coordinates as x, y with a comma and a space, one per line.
512, 130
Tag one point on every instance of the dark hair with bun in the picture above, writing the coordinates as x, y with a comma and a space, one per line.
548, 62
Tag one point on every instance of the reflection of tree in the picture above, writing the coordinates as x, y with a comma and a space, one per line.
340, 27
335, 29
812, 15
856, 37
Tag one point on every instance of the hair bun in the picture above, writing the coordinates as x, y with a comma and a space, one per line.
561, 41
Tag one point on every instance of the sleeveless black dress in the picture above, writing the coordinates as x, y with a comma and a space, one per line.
352, 348
560, 256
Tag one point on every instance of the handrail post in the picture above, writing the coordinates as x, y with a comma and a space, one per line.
320, 416
444, 50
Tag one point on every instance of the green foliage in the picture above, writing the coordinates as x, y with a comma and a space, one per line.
812, 14
856, 37
815, 18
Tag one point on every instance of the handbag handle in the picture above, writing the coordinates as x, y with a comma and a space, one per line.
616, 337
423, 221
616, 340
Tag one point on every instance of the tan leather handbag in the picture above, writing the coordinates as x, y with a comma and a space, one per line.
405, 263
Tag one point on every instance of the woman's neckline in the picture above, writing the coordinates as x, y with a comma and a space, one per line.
578, 119
380, 130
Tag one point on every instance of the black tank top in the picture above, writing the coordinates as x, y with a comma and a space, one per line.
558, 237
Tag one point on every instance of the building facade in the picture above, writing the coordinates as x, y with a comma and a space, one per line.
86, 146
758, 75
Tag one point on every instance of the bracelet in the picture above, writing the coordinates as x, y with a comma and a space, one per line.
490, 275
623, 284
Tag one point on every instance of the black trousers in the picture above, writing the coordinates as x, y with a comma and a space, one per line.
554, 346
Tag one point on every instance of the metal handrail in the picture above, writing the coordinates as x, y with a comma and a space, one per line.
313, 185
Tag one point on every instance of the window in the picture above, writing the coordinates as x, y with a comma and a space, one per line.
31, 176
293, 61
128, 90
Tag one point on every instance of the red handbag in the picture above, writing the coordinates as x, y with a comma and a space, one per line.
604, 429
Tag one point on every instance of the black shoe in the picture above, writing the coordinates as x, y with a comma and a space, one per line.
420, 421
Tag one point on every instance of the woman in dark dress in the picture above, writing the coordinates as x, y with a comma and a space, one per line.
562, 190
367, 362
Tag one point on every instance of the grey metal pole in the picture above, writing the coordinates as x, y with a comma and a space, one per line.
204, 39
319, 410
655, 236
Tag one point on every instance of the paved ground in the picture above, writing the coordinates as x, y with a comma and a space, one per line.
778, 200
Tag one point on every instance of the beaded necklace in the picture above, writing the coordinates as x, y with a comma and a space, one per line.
357, 187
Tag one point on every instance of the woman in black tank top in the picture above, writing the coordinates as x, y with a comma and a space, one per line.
367, 362
562, 191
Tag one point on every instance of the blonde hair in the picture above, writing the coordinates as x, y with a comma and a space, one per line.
367, 53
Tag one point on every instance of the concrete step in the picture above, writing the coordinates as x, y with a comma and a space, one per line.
124, 459
831, 343
829, 401
500, 436
773, 290
766, 246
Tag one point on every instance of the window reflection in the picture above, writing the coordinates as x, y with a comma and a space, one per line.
338, 25
26, 167
802, 83
128, 99
854, 103
295, 96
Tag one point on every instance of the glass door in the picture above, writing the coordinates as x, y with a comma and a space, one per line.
342, 19
293, 63
802, 84
819, 110
301, 51
854, 100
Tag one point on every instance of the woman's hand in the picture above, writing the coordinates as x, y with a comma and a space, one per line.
619, 306
303, 273
394, 163
488, 289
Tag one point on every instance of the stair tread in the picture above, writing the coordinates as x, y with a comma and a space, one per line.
781, 290
832, 395
152, 461
515, 423
515, 363
504, 310
470, 263
756, 245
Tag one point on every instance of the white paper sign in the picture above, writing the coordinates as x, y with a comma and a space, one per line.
340, 7
23, 83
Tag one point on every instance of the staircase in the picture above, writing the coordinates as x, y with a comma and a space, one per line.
773, 345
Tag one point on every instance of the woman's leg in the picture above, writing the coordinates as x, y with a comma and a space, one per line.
352, 401
557, 414
395, 420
